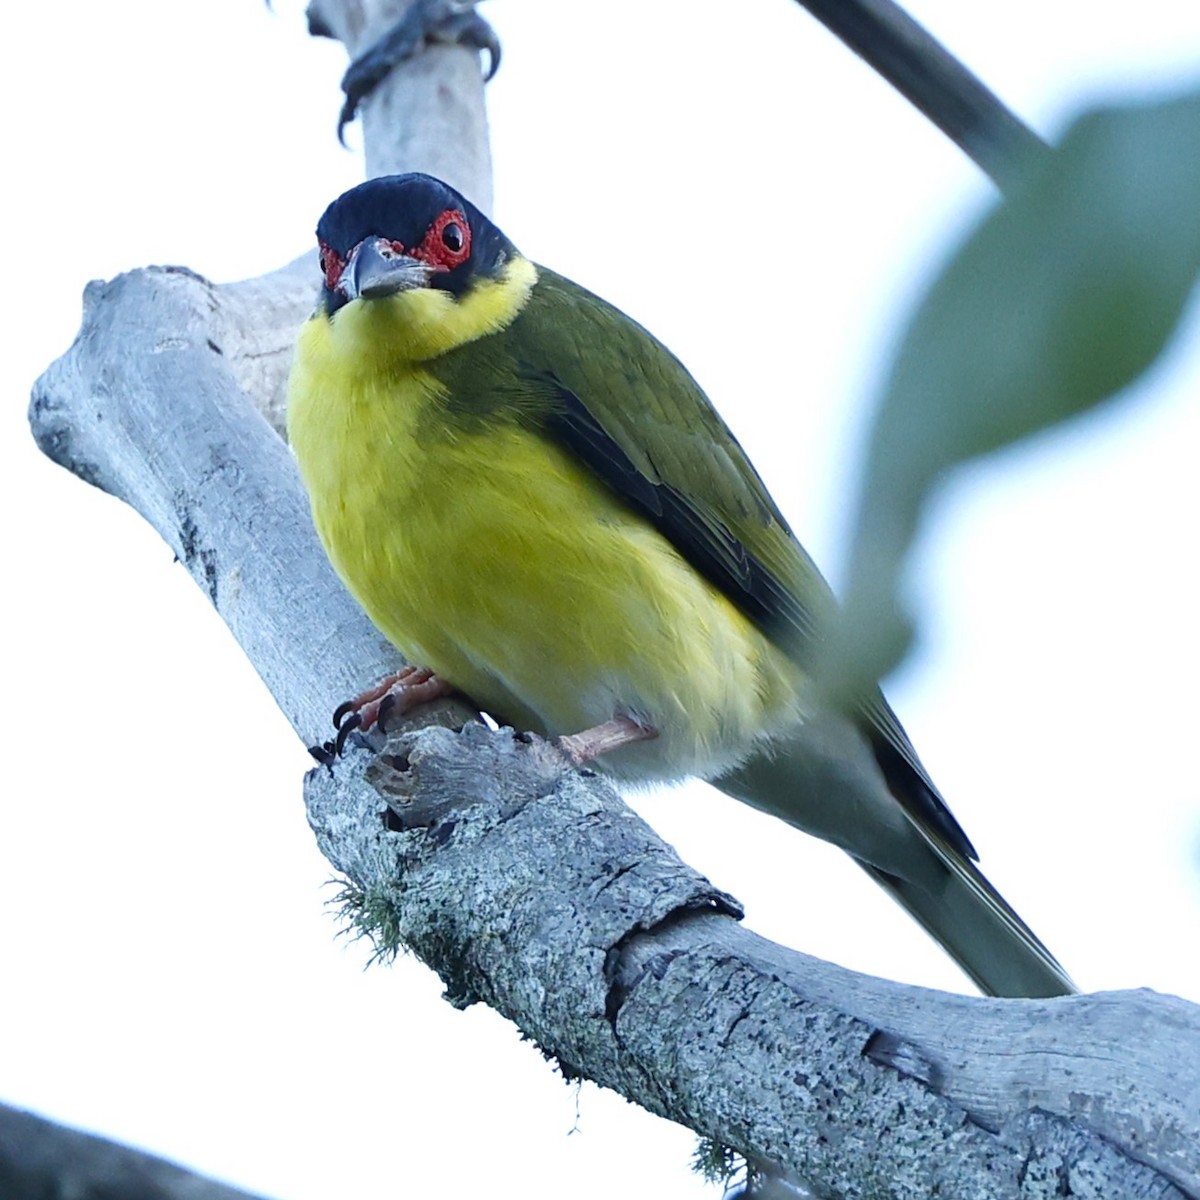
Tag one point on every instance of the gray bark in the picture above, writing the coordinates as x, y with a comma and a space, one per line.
532, 887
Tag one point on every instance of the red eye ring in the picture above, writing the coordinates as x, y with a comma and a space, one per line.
332, 266
447, 242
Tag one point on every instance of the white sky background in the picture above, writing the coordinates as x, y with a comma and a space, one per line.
767, 206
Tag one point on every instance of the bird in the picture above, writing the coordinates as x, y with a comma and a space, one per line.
538, 506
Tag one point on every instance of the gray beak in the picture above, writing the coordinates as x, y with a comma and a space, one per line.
377, 269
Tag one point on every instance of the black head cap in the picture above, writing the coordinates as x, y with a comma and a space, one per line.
422, 217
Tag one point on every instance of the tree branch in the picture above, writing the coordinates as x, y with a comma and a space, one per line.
534, 888
39, 1159
930, 78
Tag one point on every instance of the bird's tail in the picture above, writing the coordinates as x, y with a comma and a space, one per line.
977, 927
828, 780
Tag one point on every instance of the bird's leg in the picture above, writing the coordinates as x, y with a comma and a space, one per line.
600, 739
396, 693
452, 22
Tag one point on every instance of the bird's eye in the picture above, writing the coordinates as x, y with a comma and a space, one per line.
324, 265
447, 242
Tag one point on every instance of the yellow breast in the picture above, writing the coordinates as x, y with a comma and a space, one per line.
491, 555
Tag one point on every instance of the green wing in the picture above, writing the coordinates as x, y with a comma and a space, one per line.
629, 409
598, 383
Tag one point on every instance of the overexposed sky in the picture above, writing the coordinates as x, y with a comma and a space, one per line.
737, 181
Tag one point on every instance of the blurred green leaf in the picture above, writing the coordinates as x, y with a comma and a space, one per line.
1063, 295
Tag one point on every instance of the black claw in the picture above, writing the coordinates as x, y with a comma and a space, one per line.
470, 29
340, 712
345, 729
324, 753
317, 27
450, 22
385, 707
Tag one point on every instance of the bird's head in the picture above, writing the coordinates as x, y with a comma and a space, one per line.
407, 259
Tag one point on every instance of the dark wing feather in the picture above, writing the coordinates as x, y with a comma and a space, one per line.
699, 534
620, 401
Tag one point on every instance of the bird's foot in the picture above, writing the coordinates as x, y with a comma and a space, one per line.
600, 739
450, 22
392, 696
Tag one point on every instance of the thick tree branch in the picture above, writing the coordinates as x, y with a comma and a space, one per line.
533, 888
538, 892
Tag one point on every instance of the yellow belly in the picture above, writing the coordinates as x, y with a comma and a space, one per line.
495, 558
